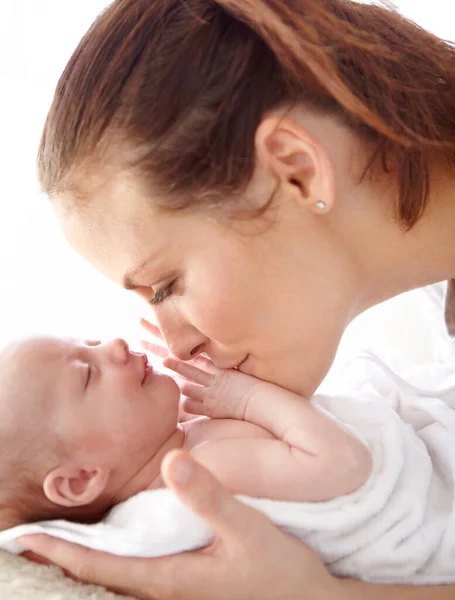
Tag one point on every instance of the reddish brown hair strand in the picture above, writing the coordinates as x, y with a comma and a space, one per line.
187, 82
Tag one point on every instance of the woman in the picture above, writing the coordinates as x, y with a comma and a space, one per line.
261, 172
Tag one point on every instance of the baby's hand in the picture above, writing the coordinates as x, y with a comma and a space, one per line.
206, 390
210, 391
157, 346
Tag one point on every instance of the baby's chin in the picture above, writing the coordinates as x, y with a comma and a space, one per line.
164, 384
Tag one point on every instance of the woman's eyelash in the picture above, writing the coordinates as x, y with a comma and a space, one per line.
161, 295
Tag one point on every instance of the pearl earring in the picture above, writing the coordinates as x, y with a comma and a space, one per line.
321, 205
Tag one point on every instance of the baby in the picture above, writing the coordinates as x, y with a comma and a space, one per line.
366, 478
84, 426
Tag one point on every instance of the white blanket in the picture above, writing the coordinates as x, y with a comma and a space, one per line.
399, 527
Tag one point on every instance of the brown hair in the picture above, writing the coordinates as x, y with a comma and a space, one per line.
22, 498
187, 82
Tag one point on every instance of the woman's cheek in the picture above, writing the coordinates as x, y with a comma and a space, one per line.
216, 313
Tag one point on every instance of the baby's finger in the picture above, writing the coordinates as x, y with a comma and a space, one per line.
92, 342
151, 328
205, 362
193, 407
156, 349
189, 371
184, 415
192, 390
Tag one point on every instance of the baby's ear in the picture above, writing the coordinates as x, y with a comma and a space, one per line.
72, 485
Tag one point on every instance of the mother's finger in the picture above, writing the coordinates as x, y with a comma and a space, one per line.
79, 562
36, 558
142, 578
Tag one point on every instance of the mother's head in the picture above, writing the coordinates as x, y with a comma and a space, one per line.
250, 167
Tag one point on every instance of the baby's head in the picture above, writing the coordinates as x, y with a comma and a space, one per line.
81, 427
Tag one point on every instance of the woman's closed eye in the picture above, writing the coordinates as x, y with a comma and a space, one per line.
162, 294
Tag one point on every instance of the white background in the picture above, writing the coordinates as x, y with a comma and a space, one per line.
44, 286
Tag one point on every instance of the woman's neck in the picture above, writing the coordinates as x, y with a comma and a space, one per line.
392, 260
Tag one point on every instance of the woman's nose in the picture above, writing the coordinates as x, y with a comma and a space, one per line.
184, 341
119, 350
184, 351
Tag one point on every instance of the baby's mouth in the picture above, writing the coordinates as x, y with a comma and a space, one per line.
148, 370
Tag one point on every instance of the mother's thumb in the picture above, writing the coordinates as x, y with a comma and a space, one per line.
204, 495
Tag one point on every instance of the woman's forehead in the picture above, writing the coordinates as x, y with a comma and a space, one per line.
119, 230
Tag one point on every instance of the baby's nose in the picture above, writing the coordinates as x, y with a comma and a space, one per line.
120, 350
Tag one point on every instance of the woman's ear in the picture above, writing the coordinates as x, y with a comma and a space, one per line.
299, 161
72, 485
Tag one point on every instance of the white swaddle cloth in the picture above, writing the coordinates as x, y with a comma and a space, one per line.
399, 527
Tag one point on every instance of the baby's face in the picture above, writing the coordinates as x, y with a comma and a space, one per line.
103, 400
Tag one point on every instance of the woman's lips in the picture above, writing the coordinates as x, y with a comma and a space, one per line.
228, 367
238, 367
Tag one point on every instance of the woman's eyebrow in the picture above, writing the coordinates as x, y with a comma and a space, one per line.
128, 281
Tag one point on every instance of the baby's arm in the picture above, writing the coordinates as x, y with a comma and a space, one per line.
311, 451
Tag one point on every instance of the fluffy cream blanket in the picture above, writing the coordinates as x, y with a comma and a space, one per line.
21, 579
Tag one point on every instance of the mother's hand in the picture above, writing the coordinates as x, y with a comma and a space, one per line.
249, 558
